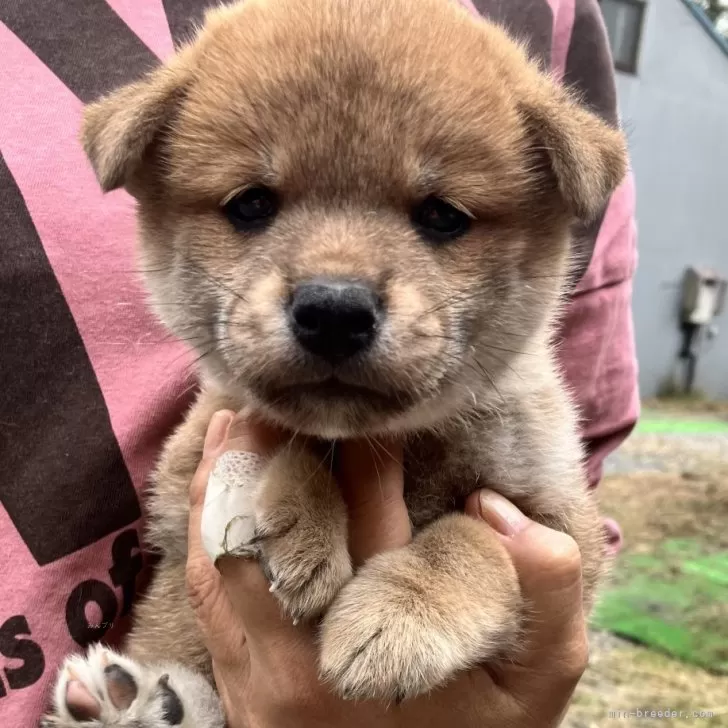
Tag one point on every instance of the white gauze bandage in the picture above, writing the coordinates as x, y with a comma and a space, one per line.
228, 514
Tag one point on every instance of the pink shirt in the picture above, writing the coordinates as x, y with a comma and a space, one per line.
90, 383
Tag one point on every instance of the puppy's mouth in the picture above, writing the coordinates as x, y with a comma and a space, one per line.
332, 392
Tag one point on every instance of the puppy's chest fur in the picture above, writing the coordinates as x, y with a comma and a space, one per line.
512, 453
437, 479
530, 454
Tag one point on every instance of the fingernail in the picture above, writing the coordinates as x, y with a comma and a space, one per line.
248, 432
240, 427
216, 432
501, 514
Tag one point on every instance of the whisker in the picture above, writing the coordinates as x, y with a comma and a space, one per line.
462, 297
194, 385
506, 364
488, 376
423, 335
508, 351
329, 454
379, 477
381, 446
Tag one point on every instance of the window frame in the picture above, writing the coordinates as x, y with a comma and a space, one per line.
631, 68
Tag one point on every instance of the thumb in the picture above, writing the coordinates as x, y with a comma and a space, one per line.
548, 563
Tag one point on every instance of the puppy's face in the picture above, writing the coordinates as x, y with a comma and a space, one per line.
357, 212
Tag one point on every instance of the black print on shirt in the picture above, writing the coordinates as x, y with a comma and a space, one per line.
66, 485
15, 633
15, 645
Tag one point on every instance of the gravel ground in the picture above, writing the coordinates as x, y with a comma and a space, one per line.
668, 453
660, 485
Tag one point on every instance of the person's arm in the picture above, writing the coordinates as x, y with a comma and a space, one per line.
596, 341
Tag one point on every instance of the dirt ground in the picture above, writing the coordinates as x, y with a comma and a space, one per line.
695, 404
685, 498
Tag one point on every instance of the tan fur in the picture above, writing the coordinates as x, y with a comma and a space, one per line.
414, 617
353, 112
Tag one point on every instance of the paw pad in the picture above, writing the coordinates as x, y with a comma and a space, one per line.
106, 689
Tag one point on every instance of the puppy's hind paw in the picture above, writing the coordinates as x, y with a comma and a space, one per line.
107, 690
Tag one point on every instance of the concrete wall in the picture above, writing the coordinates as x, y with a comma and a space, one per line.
675, 111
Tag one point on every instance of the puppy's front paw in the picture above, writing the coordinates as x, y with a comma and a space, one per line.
412, 618
105, 689
301, 530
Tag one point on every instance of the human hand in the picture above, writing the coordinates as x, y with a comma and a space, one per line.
266, 668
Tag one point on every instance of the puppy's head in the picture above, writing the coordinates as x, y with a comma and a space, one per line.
356, 211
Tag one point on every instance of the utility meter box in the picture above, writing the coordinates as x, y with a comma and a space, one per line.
704, 295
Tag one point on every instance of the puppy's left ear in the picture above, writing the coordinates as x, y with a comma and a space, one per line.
587, 157
119, 129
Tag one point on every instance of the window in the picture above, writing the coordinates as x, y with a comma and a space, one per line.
624, 19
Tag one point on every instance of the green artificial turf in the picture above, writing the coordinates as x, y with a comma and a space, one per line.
674, 599
650, 424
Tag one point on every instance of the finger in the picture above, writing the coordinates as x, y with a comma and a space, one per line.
205, 590
549, 569
250, 434
227, 431
216, 614
268, 629
244, 581
371, 479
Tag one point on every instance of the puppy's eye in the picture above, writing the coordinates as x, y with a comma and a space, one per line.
252, 209
439, 221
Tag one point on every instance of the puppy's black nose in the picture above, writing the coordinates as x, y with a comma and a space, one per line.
334, 319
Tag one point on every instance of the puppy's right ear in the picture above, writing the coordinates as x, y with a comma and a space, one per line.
118, 129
